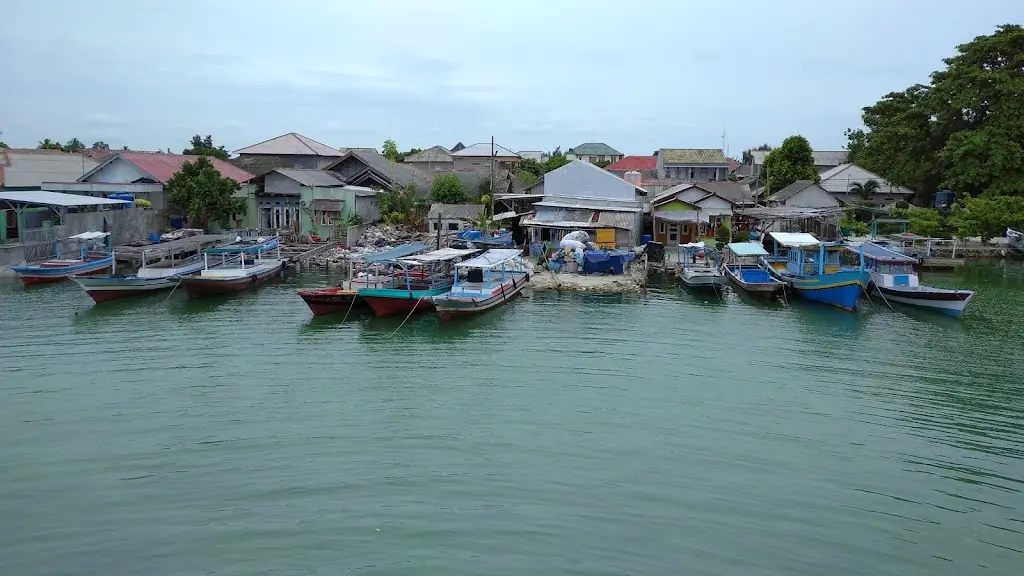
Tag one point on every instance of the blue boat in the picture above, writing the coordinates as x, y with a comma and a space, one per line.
751, 277
95, 255
816, 270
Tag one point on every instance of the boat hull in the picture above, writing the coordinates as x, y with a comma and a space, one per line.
840, 289
329, 300
703, 281
449, 308
766, 288
949, 302
105, 288
199, 286
43, 274
385, 302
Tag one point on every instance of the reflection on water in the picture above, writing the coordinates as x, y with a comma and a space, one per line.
584, 433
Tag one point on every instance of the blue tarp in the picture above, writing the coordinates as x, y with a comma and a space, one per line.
396, 252
606, 262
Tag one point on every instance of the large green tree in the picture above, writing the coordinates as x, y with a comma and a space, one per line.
73, 145
205, 147
47, 144
792, 161
390, 150
100, 145
447, 189
963, 131
204, 194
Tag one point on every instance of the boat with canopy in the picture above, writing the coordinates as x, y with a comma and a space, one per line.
893, 276
369, 271
816, 270
162, 275
747, 271
483, 282
699, 267
414, 282
235, 267
94, 252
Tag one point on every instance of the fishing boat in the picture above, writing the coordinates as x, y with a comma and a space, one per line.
699, 267
1015, 239
415, 281
370, 271
95, 255
163, 275
235, 267
483, 282
747, 271
893, 276
816, 270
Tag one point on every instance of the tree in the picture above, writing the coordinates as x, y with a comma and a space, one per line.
963, 131
865, 190
205, 147
125, 149
555, 162
100, 145
792, 161
391, 150
203, 193
530, 166
986, 217
447, 189
402, 156
402, 205
73, 145
527, 179
926, 222
48, 144
602, 163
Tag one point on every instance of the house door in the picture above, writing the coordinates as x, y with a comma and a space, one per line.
673, 234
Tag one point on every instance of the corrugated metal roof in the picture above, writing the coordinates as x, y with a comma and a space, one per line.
46, 198
692, 156
555, 217
594, 149
290, 144
790, 191
484, 149
30, 168
399, 173
433, 154
463, 211
163, 166
620, 220
315, 178
585, 206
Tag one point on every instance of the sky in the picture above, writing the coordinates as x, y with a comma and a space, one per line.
533, 74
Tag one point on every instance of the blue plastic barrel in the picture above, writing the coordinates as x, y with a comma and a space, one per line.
647, 239
154, 237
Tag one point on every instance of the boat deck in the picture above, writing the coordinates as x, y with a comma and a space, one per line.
181, 248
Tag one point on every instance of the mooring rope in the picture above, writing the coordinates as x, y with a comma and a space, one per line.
407, 317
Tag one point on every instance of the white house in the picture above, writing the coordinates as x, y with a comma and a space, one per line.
803, 194
838, 181
452, 218
478, 156
688, 212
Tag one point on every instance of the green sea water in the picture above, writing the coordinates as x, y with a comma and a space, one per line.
663, 433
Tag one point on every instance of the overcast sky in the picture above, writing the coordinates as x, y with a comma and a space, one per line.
534, 74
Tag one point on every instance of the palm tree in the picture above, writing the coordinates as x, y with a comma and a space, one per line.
865, 189
48, 144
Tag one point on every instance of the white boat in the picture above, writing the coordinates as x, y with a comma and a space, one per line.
483, 282
1015, 239
235, 267
163, 275
893, 276
699, 267
746, 271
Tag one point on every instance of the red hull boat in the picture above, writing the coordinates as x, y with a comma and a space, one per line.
329, 300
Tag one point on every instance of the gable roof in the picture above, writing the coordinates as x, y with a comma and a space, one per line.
790, 191
834, 182
162, 167
821, 157
290, 144
432, 154
483, 149
463, 211
458, 146
578, 173
693, 156
732, 191
29, 168
629, 163
594, 149
398, 173
312, 178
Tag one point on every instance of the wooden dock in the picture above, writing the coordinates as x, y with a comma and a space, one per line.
300, 256
937, 264
181, 248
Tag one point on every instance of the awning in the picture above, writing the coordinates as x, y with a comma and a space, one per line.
328, 205
794, 239
681, 216
747, 249
492, 258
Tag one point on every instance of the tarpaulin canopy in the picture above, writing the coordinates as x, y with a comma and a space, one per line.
747, 249
396, 252
795, 239
492, 258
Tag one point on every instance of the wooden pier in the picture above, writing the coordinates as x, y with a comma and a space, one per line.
300, 256
181, 248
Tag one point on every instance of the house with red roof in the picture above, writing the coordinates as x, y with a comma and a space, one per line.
142, 174
647, 166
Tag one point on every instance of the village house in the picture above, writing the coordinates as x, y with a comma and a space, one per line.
315, 202
691, 211
286, 151
535, 155
373, 170
581, 196
803, 194
647, 166
27, 169
692, 164
478, 156
432, 160
594, 152
452, 218
840, 179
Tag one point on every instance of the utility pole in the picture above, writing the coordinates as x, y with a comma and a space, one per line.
490, 186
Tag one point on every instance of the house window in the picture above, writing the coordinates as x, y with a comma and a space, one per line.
661, 227
433, 226
693, 174
453, 226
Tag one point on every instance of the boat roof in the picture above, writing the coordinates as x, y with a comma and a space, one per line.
881, 253
795, 239
492, 258
747, 249
396, 252
442, 255
244, 246
89, 235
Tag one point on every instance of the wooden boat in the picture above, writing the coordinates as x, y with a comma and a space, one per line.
484, 282
1015, 240
163, 275
699, 267
815, 270
95, 255
416, 280
892, 275
369, 271
235, 267
748, 273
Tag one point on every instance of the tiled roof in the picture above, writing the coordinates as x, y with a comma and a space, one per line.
313, 178
290, 144
594, 149
434, 154
163, 166
693, 156
484, 149
634, 163
29, 168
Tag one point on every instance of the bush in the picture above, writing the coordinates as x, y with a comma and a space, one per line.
447, 189
741, 236
850, 226
721, 237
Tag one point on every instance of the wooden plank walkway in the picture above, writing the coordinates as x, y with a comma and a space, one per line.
181, 248
301, 255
